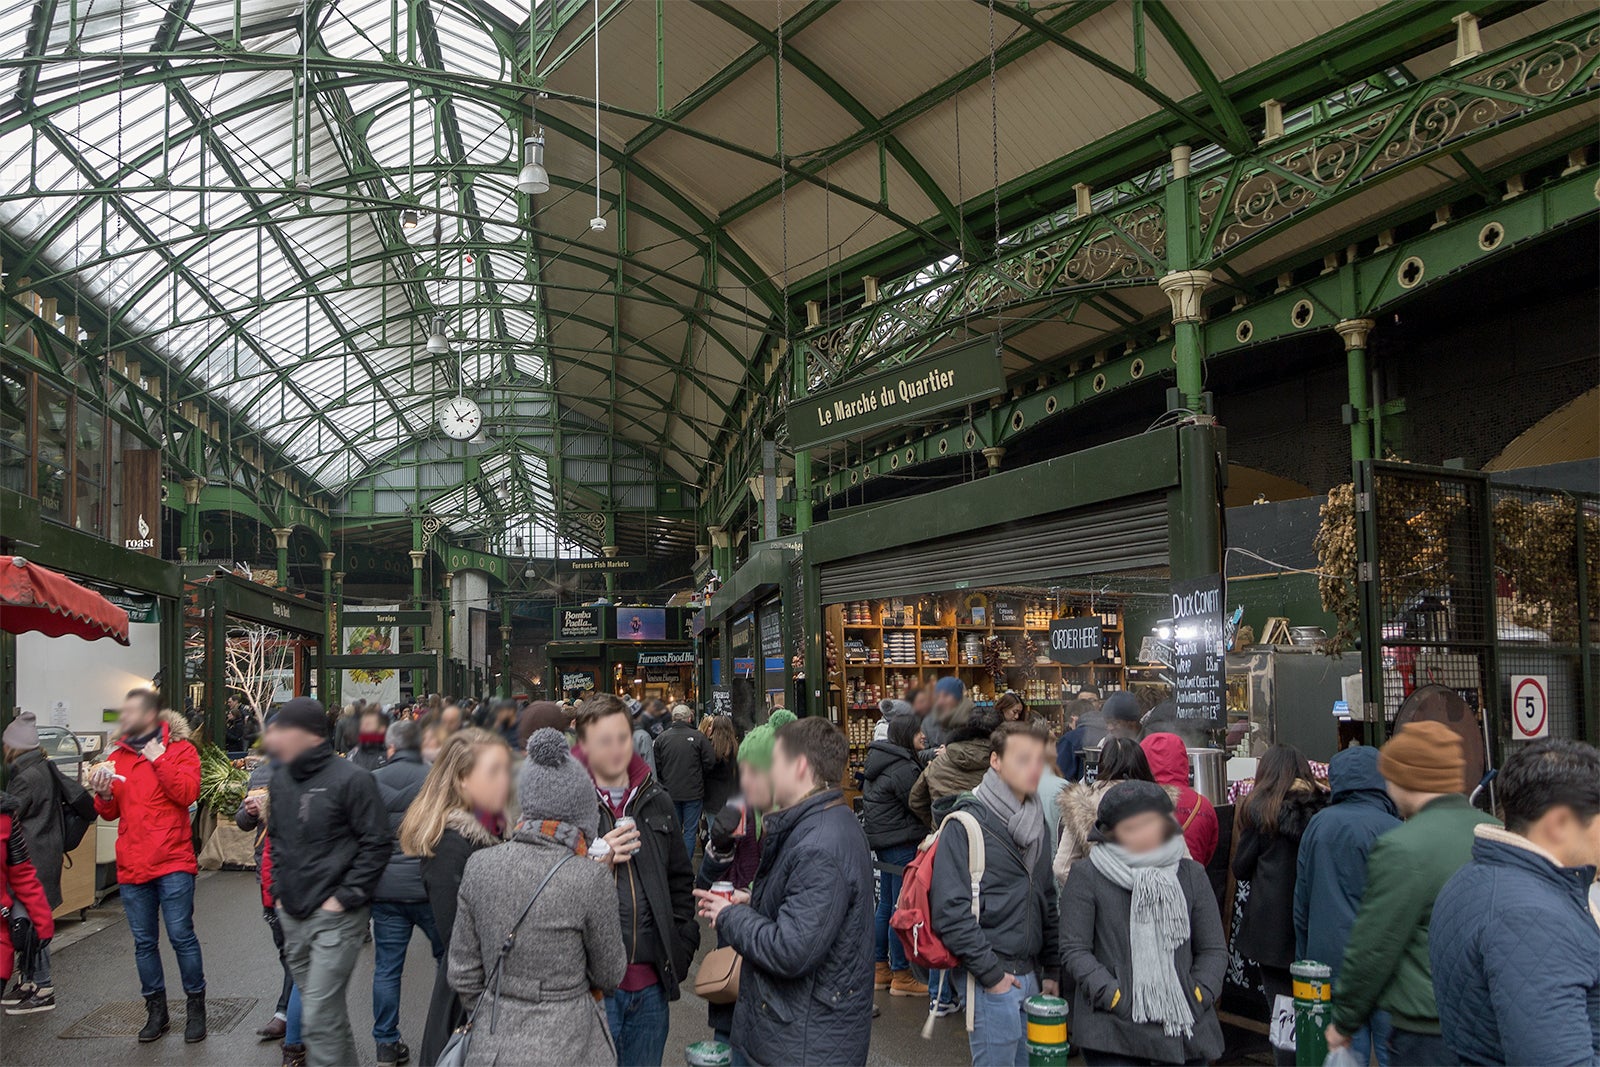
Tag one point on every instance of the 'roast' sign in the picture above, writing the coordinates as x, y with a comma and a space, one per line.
936, 383
1075, 641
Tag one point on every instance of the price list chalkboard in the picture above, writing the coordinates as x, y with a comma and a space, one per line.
1199, 662
772, 631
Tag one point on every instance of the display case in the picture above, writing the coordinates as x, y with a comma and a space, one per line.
1284, 694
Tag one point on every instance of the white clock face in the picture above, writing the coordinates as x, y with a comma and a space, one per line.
460, 418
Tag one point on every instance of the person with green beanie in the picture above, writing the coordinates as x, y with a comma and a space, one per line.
733, 844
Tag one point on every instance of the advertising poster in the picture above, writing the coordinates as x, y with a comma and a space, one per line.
380, 684
641, 624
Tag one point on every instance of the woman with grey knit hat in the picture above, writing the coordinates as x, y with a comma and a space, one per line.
568, 951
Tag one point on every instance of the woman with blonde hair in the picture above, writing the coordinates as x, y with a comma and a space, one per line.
459, 810
722, 780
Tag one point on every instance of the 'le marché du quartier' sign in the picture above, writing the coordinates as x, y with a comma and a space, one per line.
945, 380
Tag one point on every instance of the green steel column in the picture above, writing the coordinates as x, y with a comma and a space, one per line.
191, 517
1183, 285
446, 660
799, 364
417, 556
1194, 517
609, 549
505, 647
1355, 333
280, 534
336, 682
216, 710
330, 635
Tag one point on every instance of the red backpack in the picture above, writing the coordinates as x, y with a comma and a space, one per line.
913, 913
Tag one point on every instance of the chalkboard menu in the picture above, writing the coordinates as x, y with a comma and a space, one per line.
771, 631
1199, 662
1007, 613
796, 594
936, 650
721, 700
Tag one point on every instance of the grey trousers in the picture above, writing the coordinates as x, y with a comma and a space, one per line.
321, 951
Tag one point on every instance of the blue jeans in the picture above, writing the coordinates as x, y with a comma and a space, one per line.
172, 898
1373, 1037
999, 1035
291, 1023
886, 944
689, 818
392, 923
40, 974
638, 1022
1419, 1050
946, 987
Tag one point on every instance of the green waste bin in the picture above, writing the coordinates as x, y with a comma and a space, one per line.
708, 1054
1313, 1010
1047, 1031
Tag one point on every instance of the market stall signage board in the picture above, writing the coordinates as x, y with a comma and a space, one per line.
675, 658
1075, 641
771, 632
1199, 661
721, 702
580, 622
395, 617
601, 564
1530, 706
577, 681
141, 500
945, 380
139, 608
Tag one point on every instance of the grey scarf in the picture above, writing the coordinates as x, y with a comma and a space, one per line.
1025, 820
1158, 924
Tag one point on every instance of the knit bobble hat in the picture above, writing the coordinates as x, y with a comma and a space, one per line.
950, 687
23, 732
554, 785
1425, 757
1127, 799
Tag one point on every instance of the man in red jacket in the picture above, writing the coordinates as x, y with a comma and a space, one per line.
151, 778
19, 884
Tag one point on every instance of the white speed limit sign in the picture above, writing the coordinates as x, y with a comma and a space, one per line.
1530, 706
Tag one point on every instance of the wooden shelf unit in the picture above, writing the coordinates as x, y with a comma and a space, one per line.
873, 637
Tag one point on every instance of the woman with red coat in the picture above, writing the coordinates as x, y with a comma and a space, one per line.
19, 883
1169, 762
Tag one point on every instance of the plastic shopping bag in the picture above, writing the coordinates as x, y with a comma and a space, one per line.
1342, 1057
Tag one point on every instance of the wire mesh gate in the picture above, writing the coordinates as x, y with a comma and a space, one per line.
1466, 583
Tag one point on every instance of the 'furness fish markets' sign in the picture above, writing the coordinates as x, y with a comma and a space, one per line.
935, 383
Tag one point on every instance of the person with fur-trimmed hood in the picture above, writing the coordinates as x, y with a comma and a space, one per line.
148, 782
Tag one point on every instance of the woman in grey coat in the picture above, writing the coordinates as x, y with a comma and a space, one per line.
568, 951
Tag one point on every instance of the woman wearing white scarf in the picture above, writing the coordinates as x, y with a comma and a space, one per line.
1142, 937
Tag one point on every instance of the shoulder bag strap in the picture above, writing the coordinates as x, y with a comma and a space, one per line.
491, 982
976, 864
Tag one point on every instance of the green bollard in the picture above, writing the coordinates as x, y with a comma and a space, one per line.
708, 1054
1047, 1031
1313, 1001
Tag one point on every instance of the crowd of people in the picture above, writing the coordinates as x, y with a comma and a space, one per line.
561, 862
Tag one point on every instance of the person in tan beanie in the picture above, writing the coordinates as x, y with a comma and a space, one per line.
1386, 966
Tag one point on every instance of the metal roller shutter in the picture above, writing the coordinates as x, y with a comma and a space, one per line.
1131, 533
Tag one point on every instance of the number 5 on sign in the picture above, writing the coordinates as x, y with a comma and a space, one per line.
1530, 706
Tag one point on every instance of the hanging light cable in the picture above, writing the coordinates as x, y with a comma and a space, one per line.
533, 179
598, 223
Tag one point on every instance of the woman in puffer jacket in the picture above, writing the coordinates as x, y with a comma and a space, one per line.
1121, 760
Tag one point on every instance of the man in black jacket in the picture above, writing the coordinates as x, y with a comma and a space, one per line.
1010, 947
805, 934
655, 885
330, 842
683, 756
400, 903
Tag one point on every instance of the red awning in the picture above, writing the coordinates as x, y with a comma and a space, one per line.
37, 598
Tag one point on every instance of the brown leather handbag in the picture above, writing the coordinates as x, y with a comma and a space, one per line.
717, 981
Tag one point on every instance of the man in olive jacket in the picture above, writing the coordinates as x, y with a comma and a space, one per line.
1386, 962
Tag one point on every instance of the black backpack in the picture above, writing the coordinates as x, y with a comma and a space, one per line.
77, 809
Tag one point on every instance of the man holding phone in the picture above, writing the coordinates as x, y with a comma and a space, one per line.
655, 884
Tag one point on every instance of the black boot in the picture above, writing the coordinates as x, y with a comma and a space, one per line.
156, 1021
194, 1027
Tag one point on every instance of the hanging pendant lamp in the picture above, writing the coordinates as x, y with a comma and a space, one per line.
438, 343
533, 179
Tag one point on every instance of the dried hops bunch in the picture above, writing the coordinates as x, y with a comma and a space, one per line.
1535, 548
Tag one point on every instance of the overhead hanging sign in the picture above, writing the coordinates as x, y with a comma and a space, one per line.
364, 634
141, 500
581, 623
676, 658
386, 617
1199, 658
945, 380
139, 608
603, 564
1076, 641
